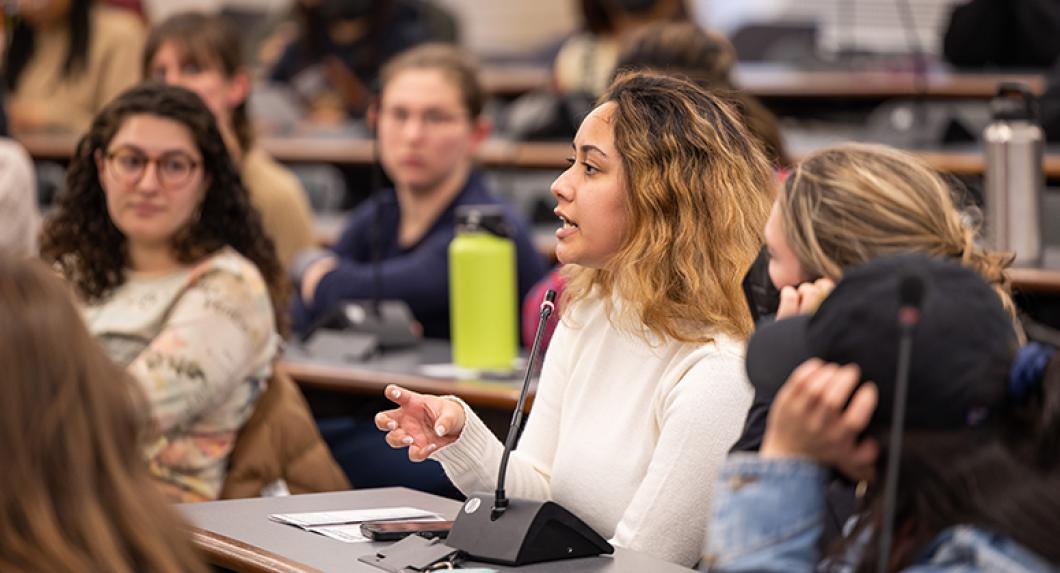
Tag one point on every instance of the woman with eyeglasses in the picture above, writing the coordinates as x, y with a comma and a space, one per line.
178, 280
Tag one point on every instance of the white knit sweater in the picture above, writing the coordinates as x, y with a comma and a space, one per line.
628, 435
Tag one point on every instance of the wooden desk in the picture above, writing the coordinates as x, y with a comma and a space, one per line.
514, 79
777, 81
403, 368
238, 535
495, 153
1033, 280
1039, 280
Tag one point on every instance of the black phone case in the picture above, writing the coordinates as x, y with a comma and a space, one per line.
382, 535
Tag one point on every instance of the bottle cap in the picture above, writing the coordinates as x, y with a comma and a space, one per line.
1014, 101
482, 219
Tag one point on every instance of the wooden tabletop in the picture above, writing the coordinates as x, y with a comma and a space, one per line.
405, 367
1043, 279
363, 379
1046, 281
514, 79
494, 153
772, 81
778, 81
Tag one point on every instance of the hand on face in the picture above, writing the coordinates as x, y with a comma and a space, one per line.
421, 422
805, 299
808, 419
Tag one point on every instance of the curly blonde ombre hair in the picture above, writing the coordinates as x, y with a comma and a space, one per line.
699, 189
846, 204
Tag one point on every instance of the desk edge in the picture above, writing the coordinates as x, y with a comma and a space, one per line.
243, 557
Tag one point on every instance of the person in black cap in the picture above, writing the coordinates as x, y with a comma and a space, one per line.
978, 487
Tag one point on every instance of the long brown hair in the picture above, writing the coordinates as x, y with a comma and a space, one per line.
83, 241
699, 190
1005, 480
847, 204
75, 493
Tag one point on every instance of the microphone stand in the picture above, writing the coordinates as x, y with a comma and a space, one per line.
500, 501
911, 291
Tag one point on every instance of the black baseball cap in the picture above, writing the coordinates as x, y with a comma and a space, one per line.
963, 343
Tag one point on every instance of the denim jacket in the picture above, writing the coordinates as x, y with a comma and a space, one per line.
769, 514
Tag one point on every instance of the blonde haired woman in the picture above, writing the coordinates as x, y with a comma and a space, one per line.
643, 390
844, 205
851, 203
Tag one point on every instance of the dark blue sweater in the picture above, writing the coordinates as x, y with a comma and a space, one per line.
418, 275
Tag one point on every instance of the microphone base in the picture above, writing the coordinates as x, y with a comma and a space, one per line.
527, 532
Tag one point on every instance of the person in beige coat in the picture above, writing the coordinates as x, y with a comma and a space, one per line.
201, 53
65, 60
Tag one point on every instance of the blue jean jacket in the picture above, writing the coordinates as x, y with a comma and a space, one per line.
769, 513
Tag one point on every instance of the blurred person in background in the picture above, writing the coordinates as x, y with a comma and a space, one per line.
1003, 34
65, 60
333, 61
586, 60
19, 213
203, 54
706, 58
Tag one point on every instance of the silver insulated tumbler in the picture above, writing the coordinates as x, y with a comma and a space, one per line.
1014, 178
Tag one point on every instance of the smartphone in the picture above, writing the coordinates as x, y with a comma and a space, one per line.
395, 530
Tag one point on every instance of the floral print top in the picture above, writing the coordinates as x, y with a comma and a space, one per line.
200, 342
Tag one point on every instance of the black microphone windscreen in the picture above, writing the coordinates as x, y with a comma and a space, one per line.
550, 295
911, 291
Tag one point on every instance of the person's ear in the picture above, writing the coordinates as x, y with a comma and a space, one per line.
97, 156
371, 116
238, 89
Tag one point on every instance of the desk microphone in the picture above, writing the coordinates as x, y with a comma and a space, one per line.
500, 501
910, 296
497, 529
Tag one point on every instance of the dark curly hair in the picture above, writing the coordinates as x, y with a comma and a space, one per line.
83, 241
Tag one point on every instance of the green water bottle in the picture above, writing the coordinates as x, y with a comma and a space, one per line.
482, 289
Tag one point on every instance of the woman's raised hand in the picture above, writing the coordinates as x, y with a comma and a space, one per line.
820, 414
421, 422
805, 298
